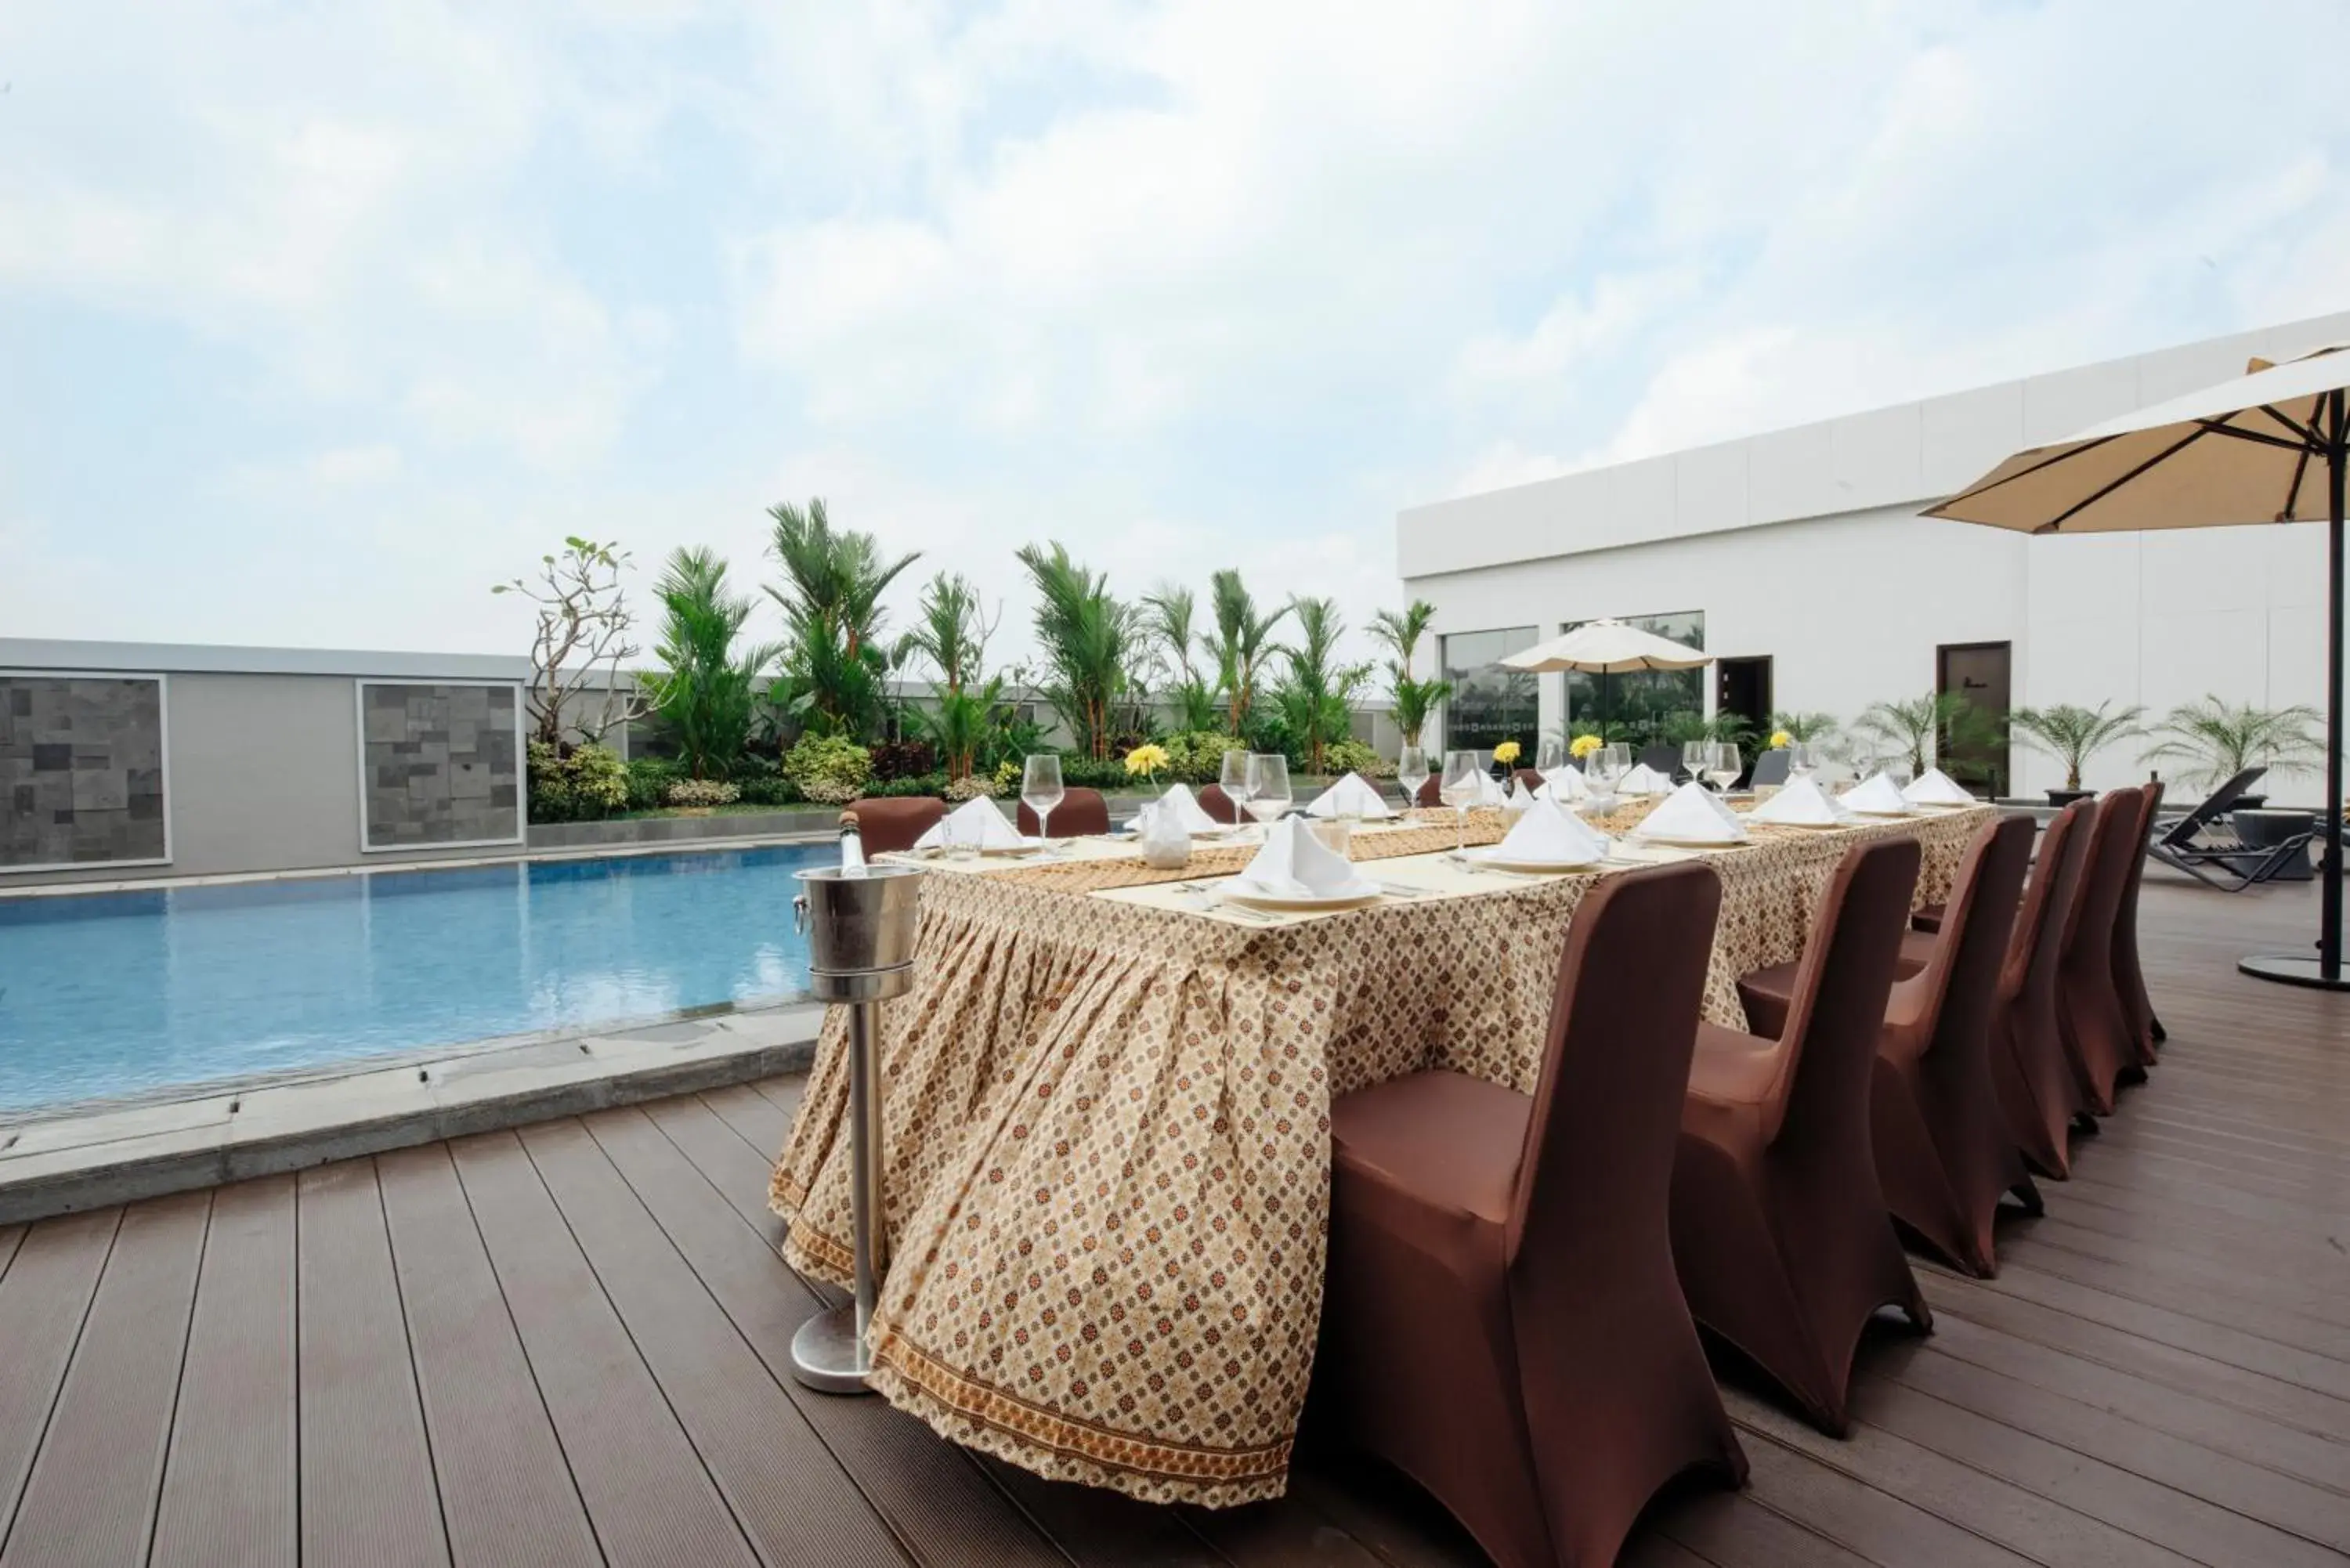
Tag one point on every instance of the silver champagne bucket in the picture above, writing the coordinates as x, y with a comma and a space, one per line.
860, 925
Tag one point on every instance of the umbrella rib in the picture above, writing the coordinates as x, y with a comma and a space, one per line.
2189, 439
2221, 427
2046, 463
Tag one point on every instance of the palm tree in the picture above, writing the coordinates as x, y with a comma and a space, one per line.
706, 692
1926, 725
1399, 632
1086, 637
1801, 726
2073, 734
1167, 614
1415, 702
1316, 698
951, 629
831, 599
2216, 740
1244, 641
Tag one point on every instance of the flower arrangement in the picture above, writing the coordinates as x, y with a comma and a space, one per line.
1582, 746
1506, 752
1146, 758
1780, 740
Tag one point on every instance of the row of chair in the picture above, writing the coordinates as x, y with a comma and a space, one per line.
1513, 1279
895, 822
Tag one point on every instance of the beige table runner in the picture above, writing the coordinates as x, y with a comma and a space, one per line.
1107, 1138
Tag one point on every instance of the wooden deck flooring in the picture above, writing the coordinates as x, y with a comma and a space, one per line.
568, 1344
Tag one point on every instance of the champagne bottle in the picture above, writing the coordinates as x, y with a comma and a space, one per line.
852, 846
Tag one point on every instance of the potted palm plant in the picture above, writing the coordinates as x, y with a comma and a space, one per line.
1926, 727
2207, 740
2073, 734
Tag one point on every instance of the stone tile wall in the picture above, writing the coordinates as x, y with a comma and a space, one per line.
81, 769
440, 764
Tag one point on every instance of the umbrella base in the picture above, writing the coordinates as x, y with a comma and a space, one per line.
2290, 969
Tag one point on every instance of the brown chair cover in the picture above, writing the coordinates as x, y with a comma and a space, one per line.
2095, 1031
1779, 1228
1531, 779
1927, 919
2129, 974
1081, 812
1944, 1154
2030, 1066
1502, 1321
1218, 804
894, 822
1431, 794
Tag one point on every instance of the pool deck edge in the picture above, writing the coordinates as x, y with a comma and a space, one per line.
71, 1164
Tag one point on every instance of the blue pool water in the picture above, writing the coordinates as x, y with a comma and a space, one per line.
112, 993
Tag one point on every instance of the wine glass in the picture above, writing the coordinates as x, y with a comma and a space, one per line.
1412, 772
1695, 755
1040, 787
1268, 781
1606, 768
1235, 779
1803, 759
1724, 765
1465, 783
1549, 758
1898, 768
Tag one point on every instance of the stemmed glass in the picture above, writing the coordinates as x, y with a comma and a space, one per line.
1268, 788
1464, 781
1803, 759
1549, 758
1412, 772
1724, 766
1235, 780
1608, 766
1695, 755
1040, 787
1898, 768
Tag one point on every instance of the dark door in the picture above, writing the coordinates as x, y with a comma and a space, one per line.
1743, 686
1979, 671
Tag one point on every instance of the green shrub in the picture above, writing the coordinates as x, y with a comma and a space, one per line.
912, 784
774, 790
1197, 756
1355, 757
829, 769
649, 781
702, 792
972, 787
590, 783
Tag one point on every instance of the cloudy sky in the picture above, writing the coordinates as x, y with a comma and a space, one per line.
315, 319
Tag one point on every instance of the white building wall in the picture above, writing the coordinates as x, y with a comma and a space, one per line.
1806, 545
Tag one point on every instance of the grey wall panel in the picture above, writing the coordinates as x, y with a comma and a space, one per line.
81, 771
439, 764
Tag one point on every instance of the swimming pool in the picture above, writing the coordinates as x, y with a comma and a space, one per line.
105, 994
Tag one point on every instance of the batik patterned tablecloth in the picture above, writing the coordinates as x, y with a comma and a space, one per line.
1107, 1163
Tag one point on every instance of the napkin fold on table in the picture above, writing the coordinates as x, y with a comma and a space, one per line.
1352, 796
1186, 806
1294, 864
1567, 786
1693, 814
1877, 795
1547, 835
1935, 787
1520, 801
978, 821
1644, 779
1803, 803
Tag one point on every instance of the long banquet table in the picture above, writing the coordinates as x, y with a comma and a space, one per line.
1107, 1126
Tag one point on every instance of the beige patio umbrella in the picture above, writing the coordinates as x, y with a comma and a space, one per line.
2268, 447
1606, 647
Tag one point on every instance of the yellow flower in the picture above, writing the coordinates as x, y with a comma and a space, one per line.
1146, 758
1584, 746
1507, 751
1780, 738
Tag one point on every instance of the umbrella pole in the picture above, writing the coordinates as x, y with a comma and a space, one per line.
2324, 971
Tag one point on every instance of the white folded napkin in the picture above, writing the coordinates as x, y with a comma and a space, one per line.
1187, 808
1521, 800
1548, 835
1566, 786
1294, 864
978, 821
1935, 787
1352, 796
1803, 803
1644, 779
1693, 815
1877, 795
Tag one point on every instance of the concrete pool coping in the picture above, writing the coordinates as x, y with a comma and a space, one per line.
93, 1157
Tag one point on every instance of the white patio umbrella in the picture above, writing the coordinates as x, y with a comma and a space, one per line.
2268, 447
1607, 647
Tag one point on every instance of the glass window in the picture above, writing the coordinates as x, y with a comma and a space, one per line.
1488, 704
1638, 706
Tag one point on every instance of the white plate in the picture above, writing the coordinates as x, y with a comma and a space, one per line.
1806, 826
1942, 804
1886, 815
1490, 855
1026, 846
1238, 894
1692, 843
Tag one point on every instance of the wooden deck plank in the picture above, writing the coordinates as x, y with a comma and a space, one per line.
506, 1493
789, 1494
1872, 1524
1731, 1529
367, 1490
2212, 1296
647, 1493
762, 1123
232, 1483
43, 1300
91, 1495
938, 1502
10, 1236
